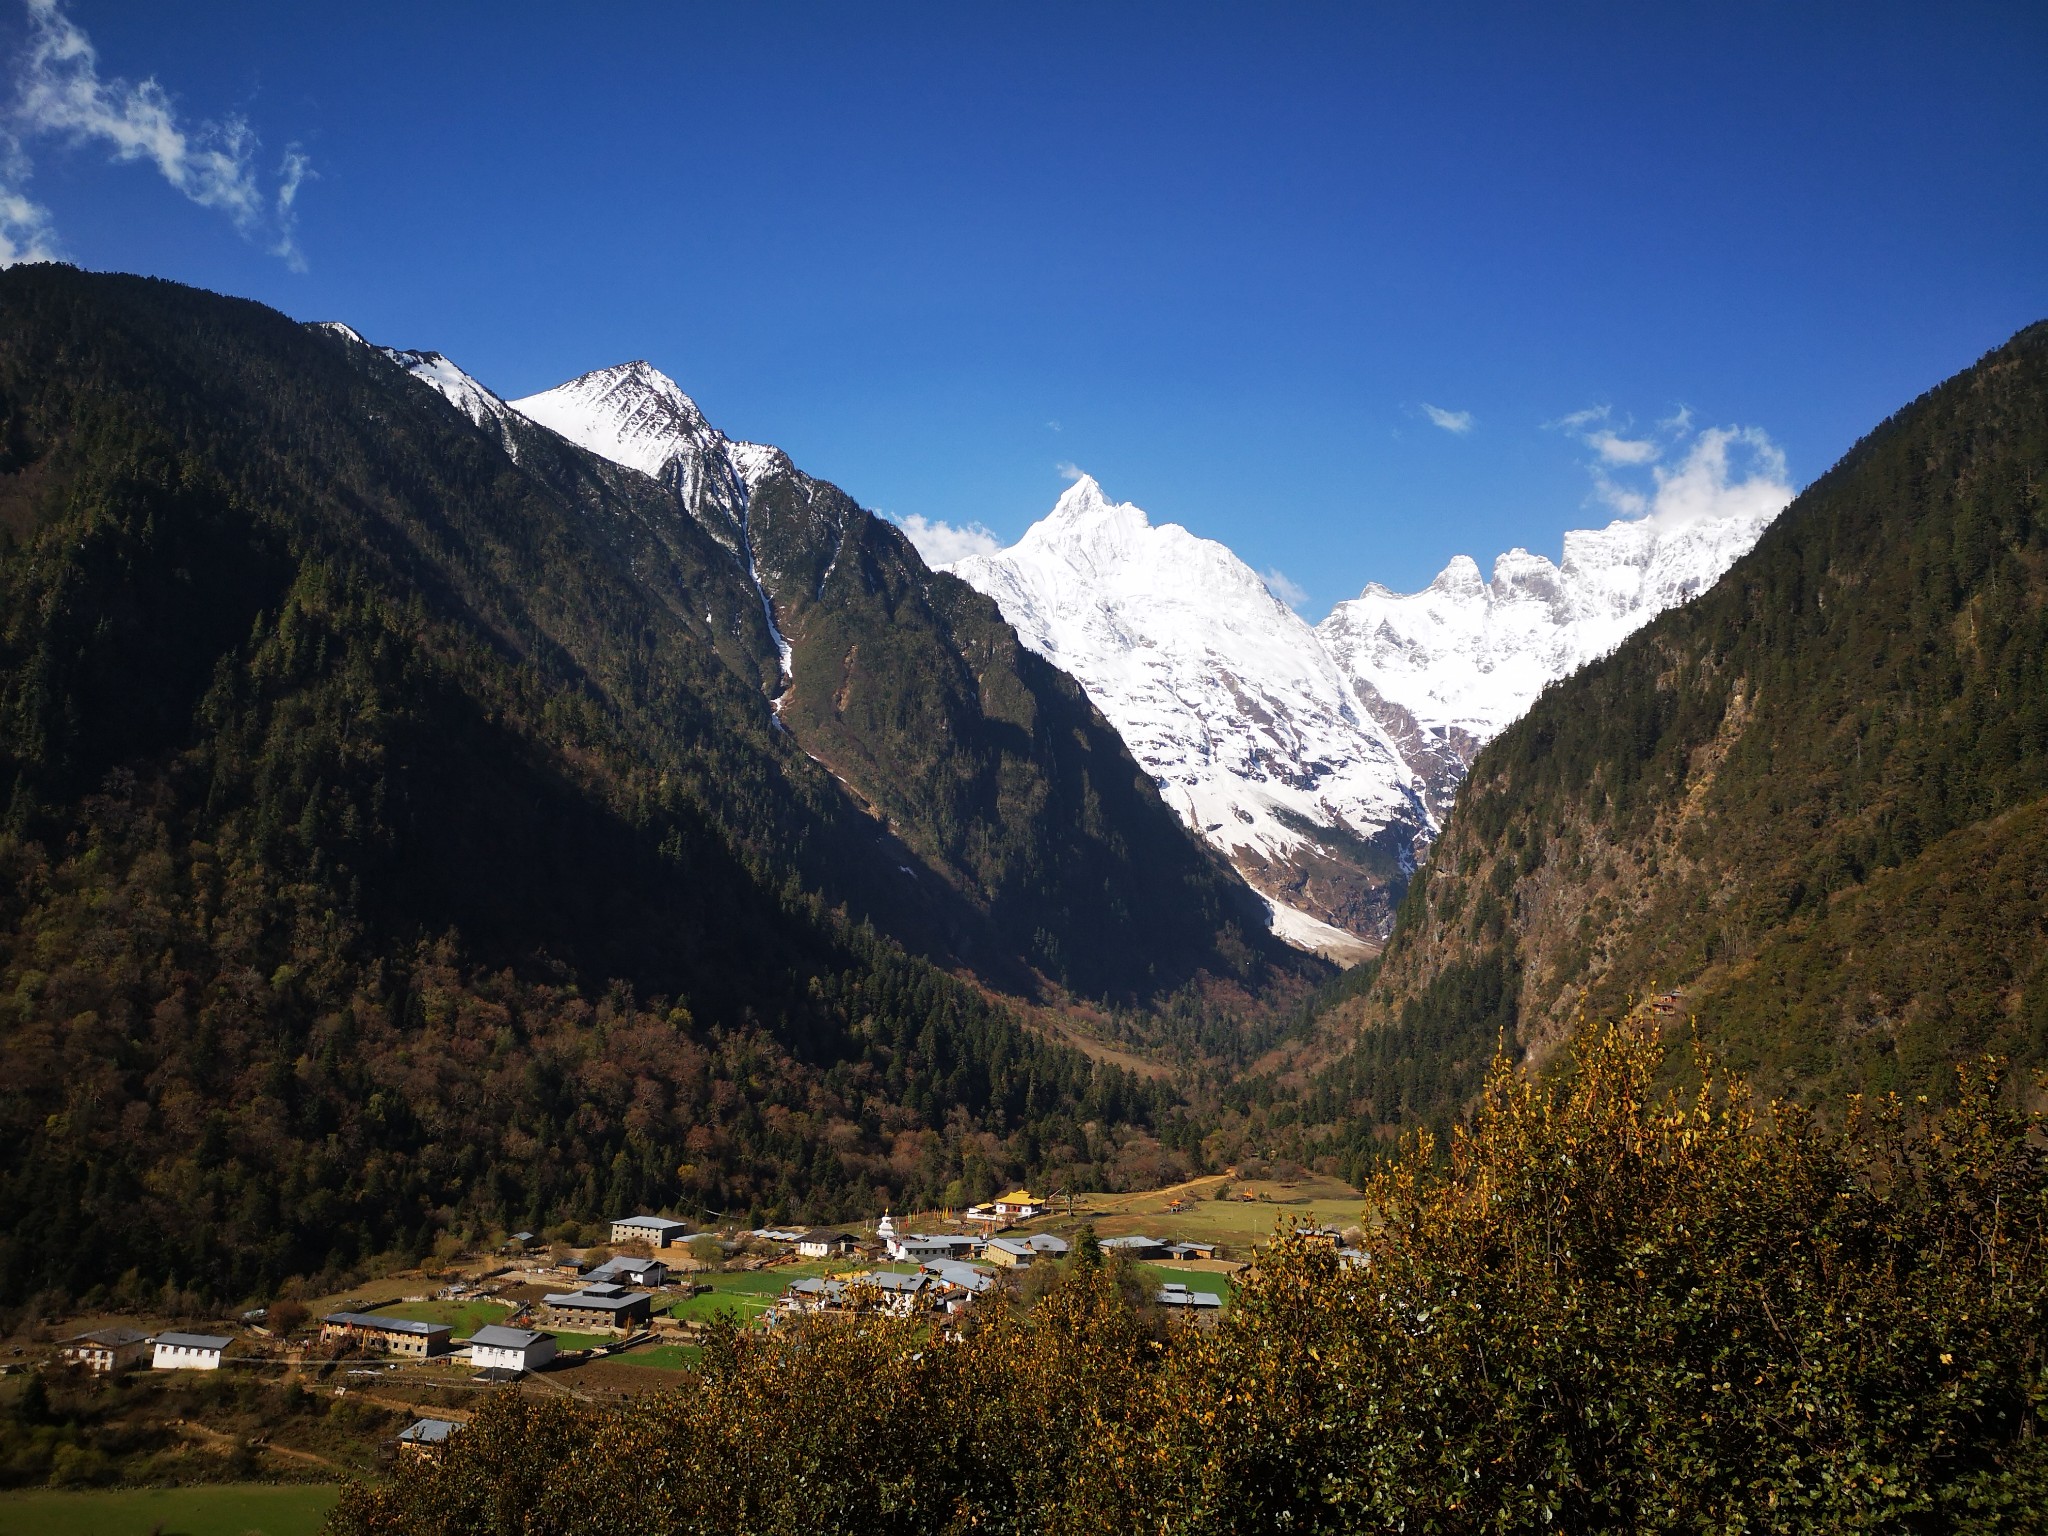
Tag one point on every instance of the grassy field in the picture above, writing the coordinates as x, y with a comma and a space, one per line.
464, 1316
1239, 1224
583, 1340
225, 1509
661, 1357
748, 1293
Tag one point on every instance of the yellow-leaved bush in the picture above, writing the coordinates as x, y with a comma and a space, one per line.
1607, 1309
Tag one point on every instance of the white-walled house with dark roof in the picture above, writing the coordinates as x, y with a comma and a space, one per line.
189, 1351
498, 1348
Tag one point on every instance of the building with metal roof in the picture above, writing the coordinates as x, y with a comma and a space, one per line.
394, 1335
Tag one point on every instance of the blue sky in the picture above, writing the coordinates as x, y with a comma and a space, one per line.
1225, 258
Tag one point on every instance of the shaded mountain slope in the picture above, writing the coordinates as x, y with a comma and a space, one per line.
1028, 826
1811, 800
394, 844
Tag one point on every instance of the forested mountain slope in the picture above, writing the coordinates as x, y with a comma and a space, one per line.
1812, 800
394, 839
1036, 834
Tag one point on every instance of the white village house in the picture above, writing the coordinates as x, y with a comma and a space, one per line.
107, 1351
188, 1351
498, 1348
628, 1270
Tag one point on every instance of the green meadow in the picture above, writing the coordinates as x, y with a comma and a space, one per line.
223, 1509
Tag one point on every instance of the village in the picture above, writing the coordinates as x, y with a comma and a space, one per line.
606, 1321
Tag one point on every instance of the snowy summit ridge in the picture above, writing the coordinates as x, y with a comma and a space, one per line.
636, 415
1320, 760
1220, 690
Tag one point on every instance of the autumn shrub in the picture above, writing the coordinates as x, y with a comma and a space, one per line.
1608, 1309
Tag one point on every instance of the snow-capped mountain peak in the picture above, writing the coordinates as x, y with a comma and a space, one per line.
636, 415
1320, 760
632, 413
1465, 657
1219, 689
463, 392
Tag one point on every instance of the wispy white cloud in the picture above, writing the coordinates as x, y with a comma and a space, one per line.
1616, 449
1053, 426
1284, 587
1070, 471
1727, 472
60, 93
1459, 422
1595, 427
942, 543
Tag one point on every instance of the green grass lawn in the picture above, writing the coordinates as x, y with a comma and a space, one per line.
584, 1340
662, 1357
1193, 1279
464, 1316
225, 1509
747, 1293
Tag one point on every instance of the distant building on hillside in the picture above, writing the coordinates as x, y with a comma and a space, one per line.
610, 1307
107, 1351
654, 1231
898, 1295
1020, 1205
393, 1335
498, 1348
822, 1243
1047, 1246
1009, 1253
628, 1270
920, 1249
1135, 1247
1196, 1304
427, 1437
189, 1351
968, 1277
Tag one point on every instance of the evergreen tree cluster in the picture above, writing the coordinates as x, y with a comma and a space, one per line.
1806, 808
